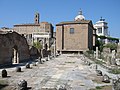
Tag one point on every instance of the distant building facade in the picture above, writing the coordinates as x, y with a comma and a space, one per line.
5, 30
37, 28
101, 27
75, 36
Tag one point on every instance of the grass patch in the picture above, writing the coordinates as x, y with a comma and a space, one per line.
62, 64
3, 84
102, 88
99, 87
90, 56
82, 85
115, 71
98, 79
99, 62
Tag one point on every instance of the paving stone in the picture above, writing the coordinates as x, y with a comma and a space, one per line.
65, 70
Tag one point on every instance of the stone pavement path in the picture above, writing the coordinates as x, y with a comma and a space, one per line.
66, 70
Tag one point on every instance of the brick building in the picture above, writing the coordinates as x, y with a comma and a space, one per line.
75, 36
39, 28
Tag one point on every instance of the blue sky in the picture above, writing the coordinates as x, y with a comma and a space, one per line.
55, 11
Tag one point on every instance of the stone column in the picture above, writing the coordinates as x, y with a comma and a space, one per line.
78, 52
15, 56
43, 43
42, 53
113, 57
54, 48
108, 62
48, 43
32, 39
96, 52
102, 30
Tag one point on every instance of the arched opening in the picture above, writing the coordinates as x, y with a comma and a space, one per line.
15, 56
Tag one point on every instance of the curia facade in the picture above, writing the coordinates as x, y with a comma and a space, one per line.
75, 36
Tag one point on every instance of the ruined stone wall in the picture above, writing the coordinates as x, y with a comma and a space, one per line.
9, 42
107, 52
111, 57
118, 51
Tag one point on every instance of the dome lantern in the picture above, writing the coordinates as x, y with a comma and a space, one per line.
79, 16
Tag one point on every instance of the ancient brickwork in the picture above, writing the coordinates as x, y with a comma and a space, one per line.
13, 49
74, 36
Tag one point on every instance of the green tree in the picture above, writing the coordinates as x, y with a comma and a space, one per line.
100, 45
37, 45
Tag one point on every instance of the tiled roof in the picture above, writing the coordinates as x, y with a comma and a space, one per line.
74, 22
29, 24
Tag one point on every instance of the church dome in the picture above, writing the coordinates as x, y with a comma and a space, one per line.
79, 16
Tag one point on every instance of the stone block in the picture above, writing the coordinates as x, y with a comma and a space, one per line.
4, 73
99, 73
106, 79
27, 65
18, 69
34, 64
22, 85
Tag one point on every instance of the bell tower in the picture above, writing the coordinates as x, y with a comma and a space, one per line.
36, 18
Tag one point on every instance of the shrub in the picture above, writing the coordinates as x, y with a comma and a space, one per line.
112, 46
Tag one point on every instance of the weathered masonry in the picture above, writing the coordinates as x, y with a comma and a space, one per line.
13, 48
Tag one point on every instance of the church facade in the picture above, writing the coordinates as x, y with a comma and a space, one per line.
75, 36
